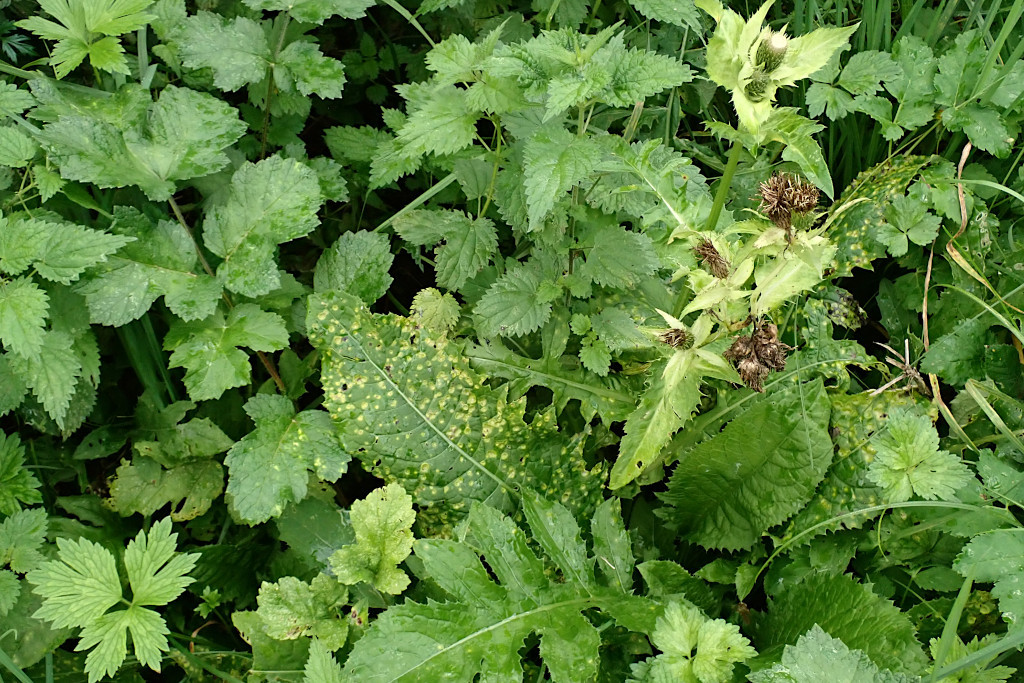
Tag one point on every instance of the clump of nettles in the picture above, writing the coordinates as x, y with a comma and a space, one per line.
711, 259
783, 195
758, 354
677, 339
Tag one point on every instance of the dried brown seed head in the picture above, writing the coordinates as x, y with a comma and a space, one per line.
783, 194
677, 339
752, 373
712, 259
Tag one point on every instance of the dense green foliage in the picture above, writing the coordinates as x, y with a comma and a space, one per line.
635, 340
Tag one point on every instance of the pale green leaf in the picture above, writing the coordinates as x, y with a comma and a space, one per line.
443, 124
16, 147
23, 309
53, 374
683, 14
22, 535
358, 262
817, 656
311, 71
553, 161
465, 245
14, 101
315, 11
235, 50
438, 313
383, 525
320, 667
998, 557
291, 608
18, 486
269, 203
866, 70
514, 305
268, 468
60, 252
143, 486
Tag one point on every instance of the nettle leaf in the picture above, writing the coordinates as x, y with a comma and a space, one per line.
682, 14
638, 74
143, 486
53, 374
817, 656
358, 263
554, 160
718, 492
845, 610
997, 557
22, 536
321, 666
616, 258
16, 147
81, 584
908, 461
269, 203
414, 412
291, 608
23, 309
444, 123
268, 468
383, 526
160, 261
18, 486
236, 50
181, 136
468, 244
960, 354
58, 251
315, 11
14, 101
481, 630
209, 349
518, 302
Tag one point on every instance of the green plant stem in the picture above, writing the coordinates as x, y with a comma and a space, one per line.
723, 185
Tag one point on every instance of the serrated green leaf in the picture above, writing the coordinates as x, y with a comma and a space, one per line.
799, 268
159, 262
553, 161
321, 667
835, 103
909, 463
60, 252
235, 50
447, 438
269, 203
718, 491
846, 610
208, 349
959, 355
514, 305
797, 133
865, 71
23, 309
817, 656
438, 313
14, 101
617, 258
53, 374
311, 71
143, 486
22, 535
358, 262
443, 124
464, 246
913, 87
16, 147
383, 526
682, 14
315, 11
18, 486
181, 136
291, 608
268, 468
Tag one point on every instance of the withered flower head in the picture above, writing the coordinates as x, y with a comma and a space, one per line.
783, 194
711, 259
758, 354
677, 338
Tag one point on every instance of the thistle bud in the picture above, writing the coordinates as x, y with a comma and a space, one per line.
757, 88
771, 51
677, 339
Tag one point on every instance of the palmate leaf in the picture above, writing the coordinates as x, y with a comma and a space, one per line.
290, 608
143, 486
846, 610
754, 474
18, 486
481, 630
81, 584
413, 410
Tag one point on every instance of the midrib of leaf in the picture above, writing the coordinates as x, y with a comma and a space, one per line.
477, 464
654, 188
590, 388
493, 627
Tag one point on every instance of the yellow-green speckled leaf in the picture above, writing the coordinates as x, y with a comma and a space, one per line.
414, 412
846, 487
851, 231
